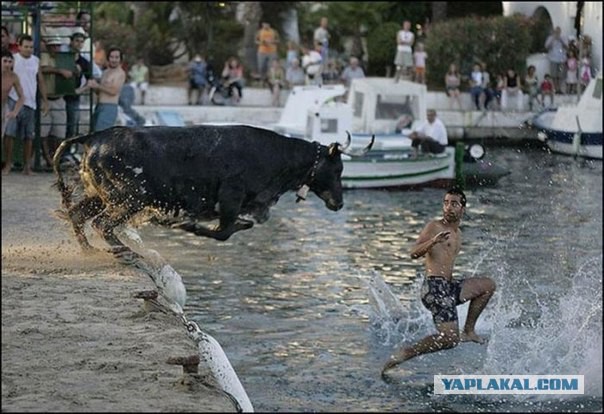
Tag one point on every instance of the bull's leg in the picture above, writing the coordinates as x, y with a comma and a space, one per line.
230, 198
218, 234
79, 214
107, 221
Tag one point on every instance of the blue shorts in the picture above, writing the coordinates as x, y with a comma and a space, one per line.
441, 297
23, 126
105, 116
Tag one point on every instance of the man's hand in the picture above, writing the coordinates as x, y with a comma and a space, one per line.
441, 237
45, 107
67, 74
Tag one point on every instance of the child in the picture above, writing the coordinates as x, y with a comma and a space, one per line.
419, 58
547, 89
585, 72
572, 66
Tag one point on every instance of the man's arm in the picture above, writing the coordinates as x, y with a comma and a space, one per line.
427, 240
43, 92
20, 101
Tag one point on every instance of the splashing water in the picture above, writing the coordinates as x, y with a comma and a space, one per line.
394, 321
566, 337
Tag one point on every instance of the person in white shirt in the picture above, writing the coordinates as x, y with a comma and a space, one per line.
431, 136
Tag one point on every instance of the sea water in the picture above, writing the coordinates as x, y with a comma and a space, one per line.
309, 305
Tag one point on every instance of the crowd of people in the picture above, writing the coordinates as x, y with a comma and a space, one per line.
104, 75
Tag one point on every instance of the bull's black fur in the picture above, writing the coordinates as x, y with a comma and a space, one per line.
204, 172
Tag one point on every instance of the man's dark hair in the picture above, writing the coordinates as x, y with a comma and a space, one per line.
25, 37
6, 53
5, 30
457, 191
114, 48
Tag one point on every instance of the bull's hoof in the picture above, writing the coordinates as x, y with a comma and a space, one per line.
61, 214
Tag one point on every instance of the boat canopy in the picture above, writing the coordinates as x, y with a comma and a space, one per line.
379, 103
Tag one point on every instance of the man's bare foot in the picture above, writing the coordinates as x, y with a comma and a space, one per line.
472, 337
28, 171
7, 168
392, 362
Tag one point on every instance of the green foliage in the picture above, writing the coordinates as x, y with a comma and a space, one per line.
500, 42
382, 48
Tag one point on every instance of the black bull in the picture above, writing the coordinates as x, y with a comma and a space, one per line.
193, 173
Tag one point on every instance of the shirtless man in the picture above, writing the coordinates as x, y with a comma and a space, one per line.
108, 91
10, 80
440, 242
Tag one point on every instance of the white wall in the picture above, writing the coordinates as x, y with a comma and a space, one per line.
562, 14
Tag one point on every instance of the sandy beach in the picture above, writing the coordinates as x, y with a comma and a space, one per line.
73, 336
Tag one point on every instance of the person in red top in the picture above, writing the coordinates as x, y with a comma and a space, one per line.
7, 43
547, 89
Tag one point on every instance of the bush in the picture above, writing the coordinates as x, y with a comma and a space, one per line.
381, 43
500, 42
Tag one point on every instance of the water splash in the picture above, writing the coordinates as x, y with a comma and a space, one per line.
564, 337
394, 321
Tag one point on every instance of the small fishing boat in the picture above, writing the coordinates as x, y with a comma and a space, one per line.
387, 110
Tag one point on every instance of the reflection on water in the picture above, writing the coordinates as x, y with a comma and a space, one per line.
309, 305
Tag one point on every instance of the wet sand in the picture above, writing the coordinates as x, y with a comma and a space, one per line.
73, 337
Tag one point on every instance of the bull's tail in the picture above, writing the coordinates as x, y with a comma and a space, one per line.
66, 191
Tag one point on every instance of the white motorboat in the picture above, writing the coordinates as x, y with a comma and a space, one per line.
575, 130
374, 108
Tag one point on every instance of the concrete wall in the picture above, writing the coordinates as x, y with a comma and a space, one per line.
255, 109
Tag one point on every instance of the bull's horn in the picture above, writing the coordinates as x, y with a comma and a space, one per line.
348, 141
361, 152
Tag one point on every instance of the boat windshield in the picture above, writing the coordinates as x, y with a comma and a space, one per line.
394, 106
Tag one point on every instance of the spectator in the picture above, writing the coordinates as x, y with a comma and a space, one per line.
452, 82
276, 81
267, 39
292, 53
108, 90
585, 72
198, 79
294, 75
83, 73
7, 42
321, 36
404, 52
311, 63
331, 74
430, 136
548, 89
88, 50
499, 86
476, 85
486, 86
511, 89
27, 66
572, 70
232, 74
419, 59
531, 84
126, 100
139, 76
352, 71
53, 125
10, 80
556, 54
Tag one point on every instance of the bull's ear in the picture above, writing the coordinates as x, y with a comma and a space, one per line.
333, 149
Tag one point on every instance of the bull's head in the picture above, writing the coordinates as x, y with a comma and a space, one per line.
326, 180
